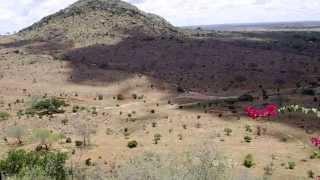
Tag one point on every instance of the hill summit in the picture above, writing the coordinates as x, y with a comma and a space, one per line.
89, 22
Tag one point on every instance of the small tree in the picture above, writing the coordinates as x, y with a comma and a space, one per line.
16, 132
45, 137
156, 138
248, 161
4, 116
228, 131
46, 106
85, 131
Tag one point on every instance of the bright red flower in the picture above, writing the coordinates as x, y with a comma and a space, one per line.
316, 141
268, 111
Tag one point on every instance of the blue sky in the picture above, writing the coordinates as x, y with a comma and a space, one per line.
17, 14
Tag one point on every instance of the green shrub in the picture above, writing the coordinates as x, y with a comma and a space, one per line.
78, 143
94, 111
64, 121
311, 174
154, 124
248, 128
20, 113
75, 108
247, 139
228, 131
100, 97
4, 116
132, 144
18, 162
291, 165
315, 155
46, 106
156, 138
248, 161
88, 162
134, 96
120, 97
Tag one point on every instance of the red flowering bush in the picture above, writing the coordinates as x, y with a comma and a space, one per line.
316, 141
268, 111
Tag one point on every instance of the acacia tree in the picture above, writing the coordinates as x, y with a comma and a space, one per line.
85, 130
16, 132
45, 137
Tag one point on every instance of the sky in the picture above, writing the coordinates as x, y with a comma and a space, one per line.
18, 14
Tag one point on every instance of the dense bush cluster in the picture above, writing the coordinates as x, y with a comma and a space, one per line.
20, 163
46, 106
4, 116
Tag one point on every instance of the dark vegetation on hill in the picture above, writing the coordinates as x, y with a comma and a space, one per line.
198, 65
297, 42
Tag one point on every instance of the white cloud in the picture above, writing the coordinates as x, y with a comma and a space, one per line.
186, 12
17, 14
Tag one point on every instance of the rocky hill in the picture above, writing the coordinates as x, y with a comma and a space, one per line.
88, 22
